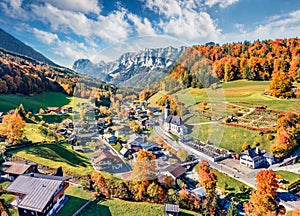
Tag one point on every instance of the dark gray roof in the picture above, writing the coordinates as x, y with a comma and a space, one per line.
38, 190
256, 152
175, 120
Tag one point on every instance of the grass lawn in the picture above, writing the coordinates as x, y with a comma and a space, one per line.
78, 197
233, 186
238, 91
231, 138
33, 133
152, 100
56, 155
288, 176
8, 102
116, 207
117, 147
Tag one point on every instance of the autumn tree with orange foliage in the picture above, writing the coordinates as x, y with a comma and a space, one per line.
288, 132
14, 127
262, 201
251, 61
208, 180
281, 85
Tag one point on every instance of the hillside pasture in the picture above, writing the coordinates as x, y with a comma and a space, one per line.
231, 138
47, 99
56, 155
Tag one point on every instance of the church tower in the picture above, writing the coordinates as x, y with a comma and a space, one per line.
167, 109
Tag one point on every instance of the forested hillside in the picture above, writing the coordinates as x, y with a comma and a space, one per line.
252, 61
20, 74
23, 75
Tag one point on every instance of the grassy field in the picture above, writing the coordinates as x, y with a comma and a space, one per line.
8, 102
233, 186
77, 199
33, 133
232, 138
116, 207
237, 91
56, 155
288, 176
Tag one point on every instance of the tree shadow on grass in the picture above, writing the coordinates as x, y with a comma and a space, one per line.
96, 209
58, 153
184, 214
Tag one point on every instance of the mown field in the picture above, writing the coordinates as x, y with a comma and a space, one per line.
116, 207
231, 138
77, 198
237, 91
56, 155
111, 207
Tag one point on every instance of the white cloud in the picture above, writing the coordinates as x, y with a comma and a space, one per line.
184, 20
222, 3
85, 6
112, 27
240, 28
45, 37
168, 8
13, 8
143, 27
278, 26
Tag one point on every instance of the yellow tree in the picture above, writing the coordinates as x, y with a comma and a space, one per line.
144, 167
14, 127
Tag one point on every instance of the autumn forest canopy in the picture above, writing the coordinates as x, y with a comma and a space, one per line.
203, 65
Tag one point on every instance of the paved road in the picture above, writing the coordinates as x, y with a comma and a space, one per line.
290, 201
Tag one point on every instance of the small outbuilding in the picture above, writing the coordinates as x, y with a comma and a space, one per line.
171, 210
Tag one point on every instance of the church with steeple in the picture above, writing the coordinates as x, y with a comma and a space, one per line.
173, 124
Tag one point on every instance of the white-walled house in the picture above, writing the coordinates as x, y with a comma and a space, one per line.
255, 157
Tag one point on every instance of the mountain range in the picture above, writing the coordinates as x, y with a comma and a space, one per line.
132, 68
10, 43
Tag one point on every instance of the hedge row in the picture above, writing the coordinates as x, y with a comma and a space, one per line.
264, 130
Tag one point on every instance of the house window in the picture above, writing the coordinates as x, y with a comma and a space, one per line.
32, 213
25, 211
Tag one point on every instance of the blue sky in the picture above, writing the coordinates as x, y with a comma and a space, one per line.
65, 30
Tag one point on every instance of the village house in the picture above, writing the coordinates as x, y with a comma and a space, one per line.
135, 140
105, 160
254, 157
111, 139
38, 194
53, 110
173, 124
176, 171
122, 130
14, 169
171, 209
